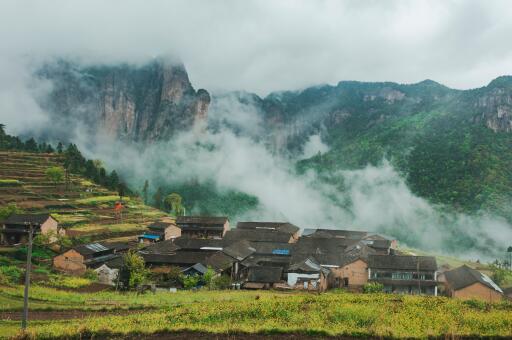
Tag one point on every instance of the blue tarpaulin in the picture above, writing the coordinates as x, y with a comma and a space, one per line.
281, 252
150, 236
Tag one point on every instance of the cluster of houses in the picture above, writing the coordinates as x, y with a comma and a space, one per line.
269, 255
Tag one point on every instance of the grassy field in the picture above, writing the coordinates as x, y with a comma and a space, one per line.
333, 313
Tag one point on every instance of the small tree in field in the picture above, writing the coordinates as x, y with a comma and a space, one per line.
55, 174
373, 287
135, 269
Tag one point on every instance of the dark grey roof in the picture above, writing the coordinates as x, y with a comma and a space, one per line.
256, 235
402, 262
167, 247
377, 244
273, 248
267, 260
336, 233
180, 258
239, 250
265, 274
93, 248
197, 267
355, 252
219, 261
214, 220
159, 225
313, 245
198, 243
283, 227
117, 262
307, 265
22, 219
464, 276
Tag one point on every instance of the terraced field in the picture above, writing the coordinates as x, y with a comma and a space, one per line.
83, 208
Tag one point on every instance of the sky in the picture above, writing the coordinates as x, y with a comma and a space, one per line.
263, 46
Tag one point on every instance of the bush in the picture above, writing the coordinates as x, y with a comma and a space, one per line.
190, 281
91, 275
10, 275
373, 287
221, 282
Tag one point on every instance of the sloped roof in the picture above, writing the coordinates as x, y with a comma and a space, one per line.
219, 261
198, 243
307, 265
464, 276
22, 219
239, 250
180, 258
377, 244
256, 235
334, 233
159, 225
283, 227
92, 248
274, 248
197, 267
163, 248
201, 220
267, 260
264, 274
402, 262
312, 245
355, 252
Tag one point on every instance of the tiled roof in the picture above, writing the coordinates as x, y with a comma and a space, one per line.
464, 276
402, 262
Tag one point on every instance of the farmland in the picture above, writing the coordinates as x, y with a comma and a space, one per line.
329, 314
83, 208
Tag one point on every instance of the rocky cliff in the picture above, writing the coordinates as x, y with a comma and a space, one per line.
139, 103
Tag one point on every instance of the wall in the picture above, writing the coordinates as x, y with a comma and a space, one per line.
172, 232
356, 272
477, 291
50, 225
70, 262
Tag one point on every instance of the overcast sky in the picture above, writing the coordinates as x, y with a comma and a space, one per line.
263, 46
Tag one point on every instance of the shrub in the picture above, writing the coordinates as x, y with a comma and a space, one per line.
91, 275
373, 287
10, 274
221, 282
190, 281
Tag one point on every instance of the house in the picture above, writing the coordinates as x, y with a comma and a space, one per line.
78, 259
280, 227
16, 228
404, 274
186, 243
160, 231
467, 283
308, 274
203, 226
353, 269
263, 277
107, 275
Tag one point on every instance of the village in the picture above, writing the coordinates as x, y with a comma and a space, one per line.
260, 256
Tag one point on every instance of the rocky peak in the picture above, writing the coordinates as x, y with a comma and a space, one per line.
141, 103
495, 104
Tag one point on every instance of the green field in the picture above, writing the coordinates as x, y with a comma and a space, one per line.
333, 313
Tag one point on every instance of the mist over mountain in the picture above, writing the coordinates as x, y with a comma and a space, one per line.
422, 162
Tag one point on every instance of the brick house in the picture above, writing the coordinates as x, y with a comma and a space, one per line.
308, 274
467, 283
160, 231
16, 227
78, 259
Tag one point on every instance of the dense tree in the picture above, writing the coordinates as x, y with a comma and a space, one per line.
55, 174
60, 148
135, 272
145, 191
174, 203
157, 198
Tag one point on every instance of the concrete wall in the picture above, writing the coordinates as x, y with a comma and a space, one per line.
477, 291
70, 262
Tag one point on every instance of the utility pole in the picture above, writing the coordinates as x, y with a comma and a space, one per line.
27, 277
